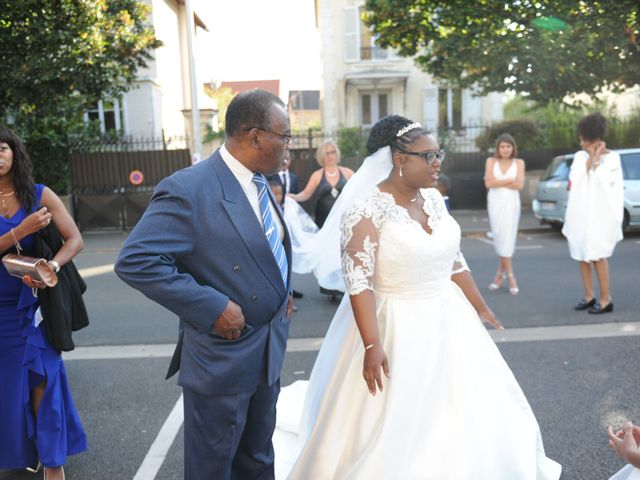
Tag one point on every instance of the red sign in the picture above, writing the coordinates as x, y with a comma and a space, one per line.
136, 177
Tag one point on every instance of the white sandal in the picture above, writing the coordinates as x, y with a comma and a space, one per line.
513, 290
496, 286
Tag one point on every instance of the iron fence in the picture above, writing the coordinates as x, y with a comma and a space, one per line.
127, 143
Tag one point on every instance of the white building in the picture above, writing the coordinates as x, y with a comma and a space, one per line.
159, 103
363, 82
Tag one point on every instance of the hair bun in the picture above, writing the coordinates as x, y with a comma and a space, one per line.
385, 131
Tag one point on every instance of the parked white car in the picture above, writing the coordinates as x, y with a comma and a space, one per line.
552, 193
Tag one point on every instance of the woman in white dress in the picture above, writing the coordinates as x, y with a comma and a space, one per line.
408, 384
595, 209
504, 178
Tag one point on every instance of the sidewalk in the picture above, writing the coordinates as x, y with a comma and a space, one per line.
477, 221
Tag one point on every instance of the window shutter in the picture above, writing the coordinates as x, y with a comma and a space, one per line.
430, 108
471, 108
351, 21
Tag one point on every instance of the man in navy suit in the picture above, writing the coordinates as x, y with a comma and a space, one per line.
286, 178
212, 248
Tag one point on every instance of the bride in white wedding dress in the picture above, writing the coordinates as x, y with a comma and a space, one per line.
408, 384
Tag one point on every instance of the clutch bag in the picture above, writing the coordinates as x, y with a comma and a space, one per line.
37, 268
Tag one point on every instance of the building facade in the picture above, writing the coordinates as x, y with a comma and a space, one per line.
363, 82
159, 103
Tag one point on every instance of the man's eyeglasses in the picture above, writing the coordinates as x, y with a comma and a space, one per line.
429, 156
284, 136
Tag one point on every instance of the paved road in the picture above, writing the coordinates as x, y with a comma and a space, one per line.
578, 375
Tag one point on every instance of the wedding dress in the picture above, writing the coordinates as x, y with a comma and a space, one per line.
452, 409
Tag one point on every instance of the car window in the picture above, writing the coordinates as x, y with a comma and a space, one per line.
631, 166
558, 170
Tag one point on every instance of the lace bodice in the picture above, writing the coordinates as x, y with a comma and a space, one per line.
385, 250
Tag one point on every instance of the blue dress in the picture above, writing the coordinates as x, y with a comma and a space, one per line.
26, 360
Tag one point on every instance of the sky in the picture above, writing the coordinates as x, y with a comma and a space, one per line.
260, 40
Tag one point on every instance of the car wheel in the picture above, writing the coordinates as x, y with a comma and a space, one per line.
557, 226
625, 221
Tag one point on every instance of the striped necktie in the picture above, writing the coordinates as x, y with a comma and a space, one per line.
269, 226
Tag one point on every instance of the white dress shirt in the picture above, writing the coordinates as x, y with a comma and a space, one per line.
286, 181
245, 178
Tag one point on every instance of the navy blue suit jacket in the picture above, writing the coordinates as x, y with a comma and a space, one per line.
199, 244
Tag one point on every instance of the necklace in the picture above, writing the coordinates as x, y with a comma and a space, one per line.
332, 174
6, 203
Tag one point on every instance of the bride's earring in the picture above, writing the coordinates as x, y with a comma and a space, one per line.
400, 171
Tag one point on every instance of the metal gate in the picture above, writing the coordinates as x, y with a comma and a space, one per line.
111, 190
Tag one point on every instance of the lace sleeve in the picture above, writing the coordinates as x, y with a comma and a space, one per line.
358, 248
459, 264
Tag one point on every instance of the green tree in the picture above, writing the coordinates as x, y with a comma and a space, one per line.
547, 49
60, 56
222, 97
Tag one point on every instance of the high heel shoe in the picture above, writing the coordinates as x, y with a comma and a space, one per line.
35, 469
496, 286
598, 309
513, 290
584, 304
44, 470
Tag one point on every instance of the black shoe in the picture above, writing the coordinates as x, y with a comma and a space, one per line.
597, 309
334, 295
297, 294
583, 304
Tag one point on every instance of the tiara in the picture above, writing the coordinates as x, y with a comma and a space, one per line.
408, 128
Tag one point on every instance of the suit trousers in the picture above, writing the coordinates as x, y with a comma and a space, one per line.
229, 436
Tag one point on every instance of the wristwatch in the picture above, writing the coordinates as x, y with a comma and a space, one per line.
55, 265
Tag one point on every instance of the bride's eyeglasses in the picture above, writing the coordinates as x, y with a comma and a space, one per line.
430, 156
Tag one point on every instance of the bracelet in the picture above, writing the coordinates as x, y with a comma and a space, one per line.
55, 265
16, 242
369, 347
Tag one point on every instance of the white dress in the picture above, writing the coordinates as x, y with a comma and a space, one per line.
628, 472
452, 409
595, 209
503, 205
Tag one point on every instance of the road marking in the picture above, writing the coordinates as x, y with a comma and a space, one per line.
567, 332
528, 334
95, 271
99, 251
519, 247
116, 352
161, 445
484, 240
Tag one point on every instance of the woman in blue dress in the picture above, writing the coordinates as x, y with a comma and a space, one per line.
40, 424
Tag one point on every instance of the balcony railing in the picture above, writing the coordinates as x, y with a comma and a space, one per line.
373, 53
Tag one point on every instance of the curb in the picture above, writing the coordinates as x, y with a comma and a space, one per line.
521, 231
